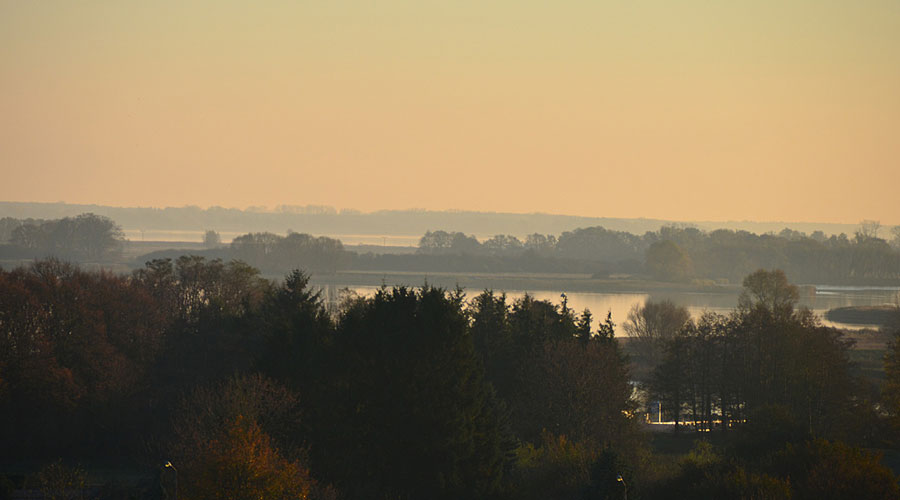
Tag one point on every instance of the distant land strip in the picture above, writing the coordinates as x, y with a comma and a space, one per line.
329, 221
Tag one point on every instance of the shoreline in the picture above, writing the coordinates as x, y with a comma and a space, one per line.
514, 281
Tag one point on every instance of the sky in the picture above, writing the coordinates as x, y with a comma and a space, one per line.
691, 110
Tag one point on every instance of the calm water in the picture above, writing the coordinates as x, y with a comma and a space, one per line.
819, 299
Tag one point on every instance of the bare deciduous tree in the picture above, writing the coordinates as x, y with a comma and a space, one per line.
868, 229
652, 324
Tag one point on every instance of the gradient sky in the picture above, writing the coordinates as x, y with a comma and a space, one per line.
685, 110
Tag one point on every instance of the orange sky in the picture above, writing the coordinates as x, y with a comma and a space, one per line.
685, 110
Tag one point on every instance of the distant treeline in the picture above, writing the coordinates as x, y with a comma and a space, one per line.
317, 219
674, 254
272, 253
86, 237
671, 254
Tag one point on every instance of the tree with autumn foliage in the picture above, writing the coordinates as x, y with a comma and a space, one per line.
75, 347
242, 464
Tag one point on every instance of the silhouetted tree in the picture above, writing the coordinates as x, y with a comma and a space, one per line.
85, 237
540, 244
895, 237
650, 325
410, 387
272, 252
668, 262
599, 244
503, 244
868, 229
770, 292
552, 371
211, 239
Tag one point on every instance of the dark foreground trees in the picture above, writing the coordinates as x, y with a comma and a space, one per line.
255, 389
811, 469
721, 370
568, 394
890, 389
780, 385
74, 347
553, 372
411, 387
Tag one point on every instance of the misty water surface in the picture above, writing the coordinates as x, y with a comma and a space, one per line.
819, 301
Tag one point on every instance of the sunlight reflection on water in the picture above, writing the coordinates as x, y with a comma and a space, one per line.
697, 303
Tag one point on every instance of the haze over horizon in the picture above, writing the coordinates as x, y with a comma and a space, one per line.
405, 224
757, 111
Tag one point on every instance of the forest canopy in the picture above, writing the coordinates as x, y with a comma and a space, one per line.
254, 388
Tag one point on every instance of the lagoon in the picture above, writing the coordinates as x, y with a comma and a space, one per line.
818, 298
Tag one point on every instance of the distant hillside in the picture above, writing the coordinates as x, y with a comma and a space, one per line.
412, 223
